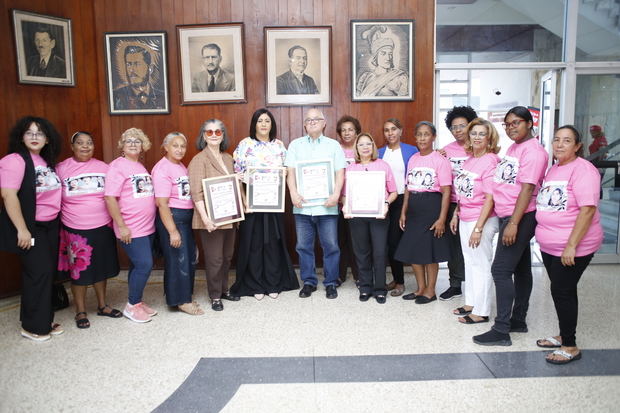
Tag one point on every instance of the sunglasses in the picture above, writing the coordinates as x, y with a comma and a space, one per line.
210, 132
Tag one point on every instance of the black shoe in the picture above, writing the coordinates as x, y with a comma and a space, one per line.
422, 299
364, 297
493, 338
227, 296
330, 292
380, 298
450, 293
216, 305
307, 290
518, 326
410, 296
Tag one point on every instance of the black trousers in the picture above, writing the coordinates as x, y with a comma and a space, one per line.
38, 270
513, 297
393, 238
456, 263
369, 237
347, 259
564, 292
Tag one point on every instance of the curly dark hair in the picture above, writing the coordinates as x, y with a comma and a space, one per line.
50, 151
466, 112
351, 119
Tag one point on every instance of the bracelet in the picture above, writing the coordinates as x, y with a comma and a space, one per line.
513, 223
388, 204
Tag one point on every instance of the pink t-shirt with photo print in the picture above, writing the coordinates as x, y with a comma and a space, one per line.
12, 169
131, 183
564, 191
457, 156
428, 173
524, 163
472, 185
83, 185
171, 181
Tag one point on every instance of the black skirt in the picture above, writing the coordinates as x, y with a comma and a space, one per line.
263, 263
418, 245
88, 256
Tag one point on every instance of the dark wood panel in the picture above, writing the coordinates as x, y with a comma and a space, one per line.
86, 105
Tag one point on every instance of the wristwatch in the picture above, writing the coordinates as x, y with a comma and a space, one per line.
477, 230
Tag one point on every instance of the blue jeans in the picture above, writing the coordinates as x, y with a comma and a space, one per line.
140, 254
327, 227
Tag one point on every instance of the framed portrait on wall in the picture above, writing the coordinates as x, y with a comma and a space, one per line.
44, 49
298, 61
137, 72
382, 60
211, 63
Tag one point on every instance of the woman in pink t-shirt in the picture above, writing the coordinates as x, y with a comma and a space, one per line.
474, 217
347, 129
569, 233
369, 234
28, 222
174, 224
87, 245
131, 202
423, 215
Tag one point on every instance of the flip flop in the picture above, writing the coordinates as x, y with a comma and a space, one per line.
554, 343
567, 357
469, 320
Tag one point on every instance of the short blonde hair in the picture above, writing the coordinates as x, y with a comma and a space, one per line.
492, 134
375, 153
137, 134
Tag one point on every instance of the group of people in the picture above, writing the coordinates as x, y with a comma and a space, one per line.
440, 205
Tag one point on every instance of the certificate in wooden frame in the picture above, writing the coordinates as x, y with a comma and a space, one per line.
223, 199
309, 187
265, 189
367, 187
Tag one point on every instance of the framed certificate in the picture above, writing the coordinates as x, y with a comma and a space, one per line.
223, 199
315, 180
265, 189
365, 193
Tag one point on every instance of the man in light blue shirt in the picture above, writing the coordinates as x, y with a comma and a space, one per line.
322, 218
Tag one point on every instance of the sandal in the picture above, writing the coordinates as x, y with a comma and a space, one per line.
468, 320
555, 343
191, 308
398, 290
567, 357
81, 321
114, 313
461, 311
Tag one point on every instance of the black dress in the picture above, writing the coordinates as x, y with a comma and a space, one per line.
263, 263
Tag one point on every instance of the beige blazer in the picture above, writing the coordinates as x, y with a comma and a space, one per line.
204, 165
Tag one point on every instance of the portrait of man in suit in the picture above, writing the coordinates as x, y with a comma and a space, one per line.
46, 63
295, 81
213, 78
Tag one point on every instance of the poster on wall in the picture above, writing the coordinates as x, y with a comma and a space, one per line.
298, 65
382, 60
211, 63
44, 50
137, 72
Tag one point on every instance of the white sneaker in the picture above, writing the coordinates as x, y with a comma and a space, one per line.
35, 337
136, 313
56, 329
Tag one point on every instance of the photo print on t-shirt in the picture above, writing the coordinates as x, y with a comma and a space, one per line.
142, 185
553, 196
45, 179
506, 171
88, 183
457, 165
420, 179
464, 184
183, 187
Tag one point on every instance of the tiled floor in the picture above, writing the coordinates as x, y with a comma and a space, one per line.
293, 355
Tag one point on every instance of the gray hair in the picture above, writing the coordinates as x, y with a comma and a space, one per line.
426, 123
169, 137
201, 143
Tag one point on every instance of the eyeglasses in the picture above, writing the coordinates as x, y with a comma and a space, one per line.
423, 135
313, 120
210, 132
479, 134
514, 124
38, 135
455, 128
133, 142
360, 144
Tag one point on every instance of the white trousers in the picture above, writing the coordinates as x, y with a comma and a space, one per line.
478, 279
